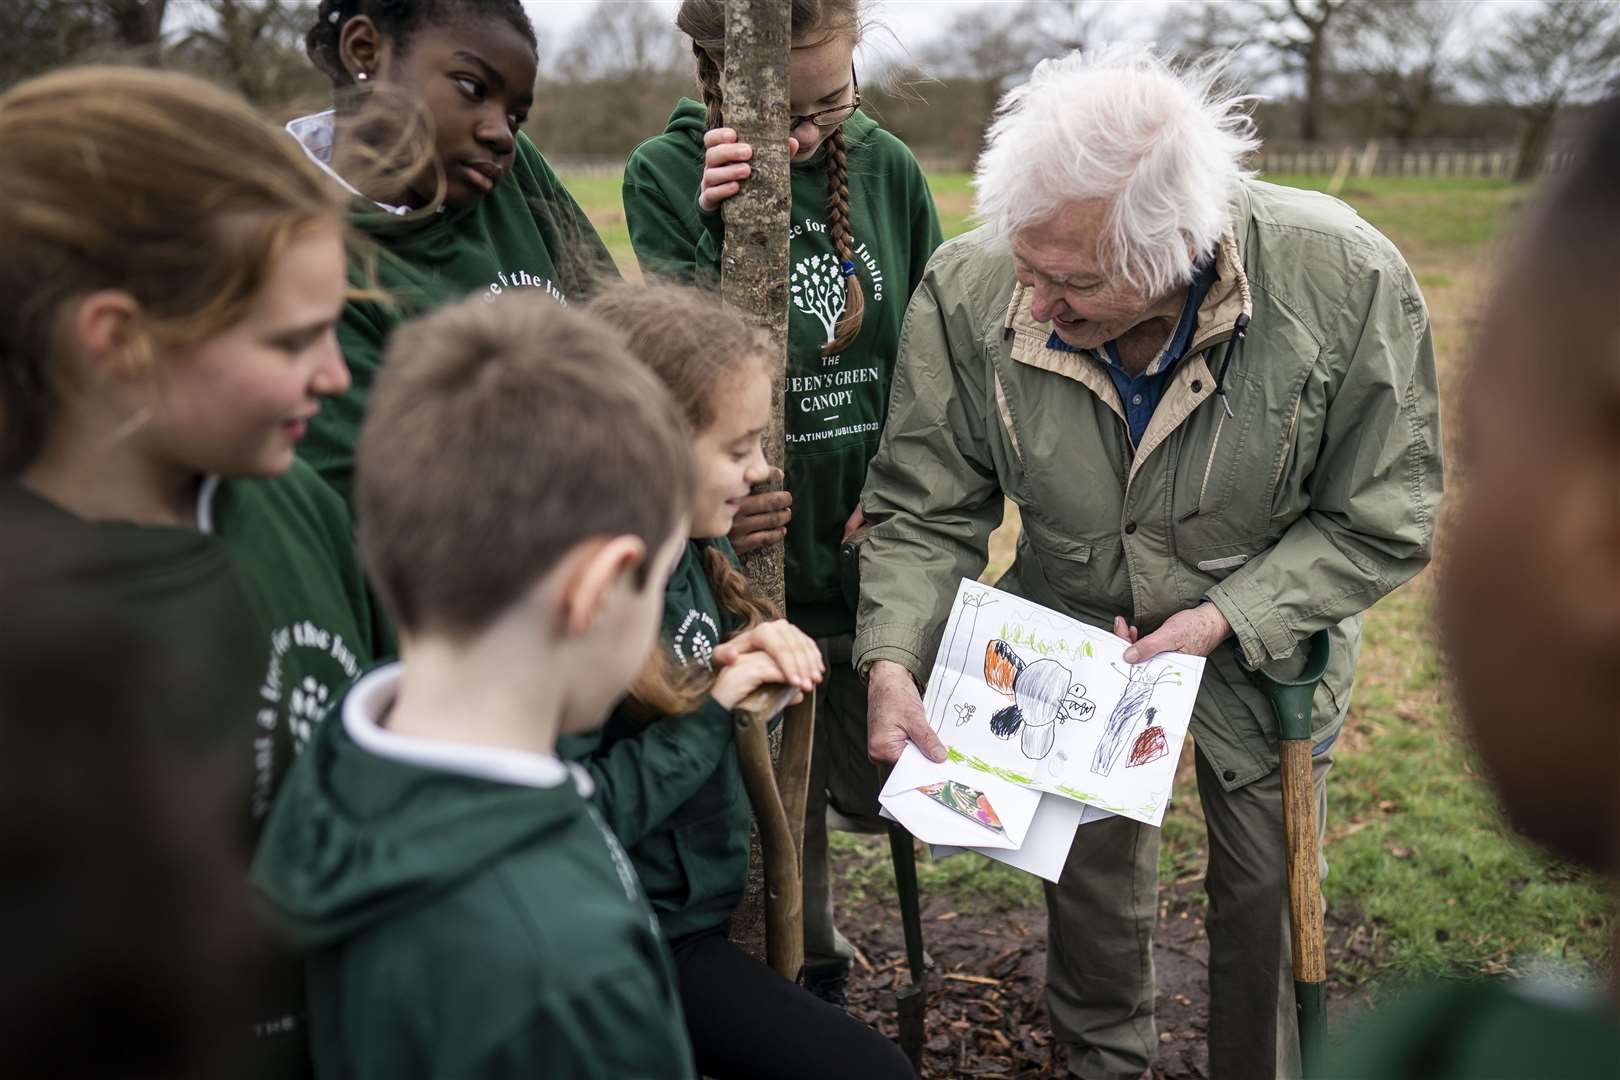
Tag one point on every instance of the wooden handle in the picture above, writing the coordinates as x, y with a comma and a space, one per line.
793, 769
784, 894
1304, 868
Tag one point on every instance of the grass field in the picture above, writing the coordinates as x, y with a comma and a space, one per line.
1419, 856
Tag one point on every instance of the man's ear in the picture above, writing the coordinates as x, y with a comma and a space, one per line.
360, 48
106, 331
593, 571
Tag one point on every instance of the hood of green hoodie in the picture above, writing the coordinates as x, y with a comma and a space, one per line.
356, 838
691, 119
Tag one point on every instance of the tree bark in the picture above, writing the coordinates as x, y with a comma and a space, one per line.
754, 279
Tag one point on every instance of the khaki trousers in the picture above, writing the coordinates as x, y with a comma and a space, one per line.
1099, 960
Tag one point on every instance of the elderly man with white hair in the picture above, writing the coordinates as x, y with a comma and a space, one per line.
1213, 400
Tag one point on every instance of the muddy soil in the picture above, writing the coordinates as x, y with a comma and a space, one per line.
986, 1013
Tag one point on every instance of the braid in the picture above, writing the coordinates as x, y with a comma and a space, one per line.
397, 20
708, 76
321, 42
849, 325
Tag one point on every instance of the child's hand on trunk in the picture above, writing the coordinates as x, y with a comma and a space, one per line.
761, 519
725, 166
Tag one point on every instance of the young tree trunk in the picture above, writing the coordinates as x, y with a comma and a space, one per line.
1538, 126
1310, 128
754, 278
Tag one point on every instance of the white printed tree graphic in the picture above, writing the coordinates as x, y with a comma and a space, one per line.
818, 290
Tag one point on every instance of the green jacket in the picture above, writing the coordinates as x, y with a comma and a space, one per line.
835, 405
671, 789
466, 913
1296, 513
294, 547
527, 233
1499, 1029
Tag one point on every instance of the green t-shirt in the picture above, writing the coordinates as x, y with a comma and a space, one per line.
528, 233
465, 912
836, 404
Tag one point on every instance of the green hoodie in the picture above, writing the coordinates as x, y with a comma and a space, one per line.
1504, 1028
527, 233
294, 546
465, 911
835, 405
671, 789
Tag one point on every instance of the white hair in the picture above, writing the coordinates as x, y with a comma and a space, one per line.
1163, 143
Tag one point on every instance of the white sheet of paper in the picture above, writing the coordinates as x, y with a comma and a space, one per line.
1046, 845
1022, 693
933, 823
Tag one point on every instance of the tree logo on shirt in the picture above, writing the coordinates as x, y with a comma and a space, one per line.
306, 709
695, 638
309, 666
817, 286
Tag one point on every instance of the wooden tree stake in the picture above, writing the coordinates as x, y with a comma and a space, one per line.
754, 279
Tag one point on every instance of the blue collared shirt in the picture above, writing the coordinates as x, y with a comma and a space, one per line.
1140, 396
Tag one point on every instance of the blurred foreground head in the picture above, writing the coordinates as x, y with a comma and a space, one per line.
1531, 592
124, 918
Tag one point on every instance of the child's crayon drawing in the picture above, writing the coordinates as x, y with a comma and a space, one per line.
1035, 686
968, 802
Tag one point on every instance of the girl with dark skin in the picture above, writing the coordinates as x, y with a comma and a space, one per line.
451, 198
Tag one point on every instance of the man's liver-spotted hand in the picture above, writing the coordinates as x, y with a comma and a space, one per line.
894, 716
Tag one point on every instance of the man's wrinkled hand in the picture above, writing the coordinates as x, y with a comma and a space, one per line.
1195, 631
894, 716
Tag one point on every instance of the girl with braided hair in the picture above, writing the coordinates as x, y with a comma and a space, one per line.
477, 211
863, 228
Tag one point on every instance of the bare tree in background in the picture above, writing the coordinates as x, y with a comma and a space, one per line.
253, 46
1189, 32
1407, 51
994, 46
612, 81
1306, 36
619, 38
1541, 59
37, 35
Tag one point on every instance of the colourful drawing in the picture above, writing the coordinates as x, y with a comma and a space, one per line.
1140, 682
969, 802
1149, 746
1043, 696
1036, 697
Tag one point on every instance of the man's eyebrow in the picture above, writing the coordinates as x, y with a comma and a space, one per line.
495, 79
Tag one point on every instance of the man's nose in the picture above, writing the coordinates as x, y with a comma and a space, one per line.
1046, 302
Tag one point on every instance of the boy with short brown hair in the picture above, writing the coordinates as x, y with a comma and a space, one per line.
523, 494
